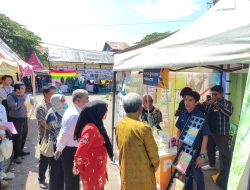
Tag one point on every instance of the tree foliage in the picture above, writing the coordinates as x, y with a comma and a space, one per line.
22, 41
153, 37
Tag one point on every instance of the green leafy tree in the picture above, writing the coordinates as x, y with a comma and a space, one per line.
22, 41
154, 37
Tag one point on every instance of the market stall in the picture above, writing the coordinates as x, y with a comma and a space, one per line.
218, 42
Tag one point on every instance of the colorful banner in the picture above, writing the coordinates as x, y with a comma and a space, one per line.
58, 74
239, 173
156, 77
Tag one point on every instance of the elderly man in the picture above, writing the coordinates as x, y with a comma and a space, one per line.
66, 145
138, 152
41, 112
150, 113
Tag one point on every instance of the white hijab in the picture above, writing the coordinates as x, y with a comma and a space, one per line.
55, 102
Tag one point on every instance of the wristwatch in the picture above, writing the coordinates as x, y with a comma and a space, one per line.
202, 156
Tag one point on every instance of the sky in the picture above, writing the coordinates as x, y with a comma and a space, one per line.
87, 24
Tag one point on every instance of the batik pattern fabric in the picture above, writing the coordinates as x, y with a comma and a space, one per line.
54, 122
153, 117
138, 155
91, 158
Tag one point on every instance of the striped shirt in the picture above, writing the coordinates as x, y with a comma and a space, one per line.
222, 122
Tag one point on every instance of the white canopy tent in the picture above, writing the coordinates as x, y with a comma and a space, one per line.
219, 40
221, 36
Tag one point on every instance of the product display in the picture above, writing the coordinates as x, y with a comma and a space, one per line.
183, 162
177, 184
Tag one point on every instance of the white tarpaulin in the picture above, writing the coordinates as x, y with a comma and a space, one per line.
220, 36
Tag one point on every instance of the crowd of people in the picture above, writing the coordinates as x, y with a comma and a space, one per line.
74, 143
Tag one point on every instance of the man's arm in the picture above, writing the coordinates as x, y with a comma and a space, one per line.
200, 159
151, 148
66, 133
13, 104
226, 109
40, 116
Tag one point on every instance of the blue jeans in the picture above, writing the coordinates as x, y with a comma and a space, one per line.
197, 175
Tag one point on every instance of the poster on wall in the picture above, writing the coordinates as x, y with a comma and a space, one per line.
136, 82
123, 84
156, 77
239, 172
96, 74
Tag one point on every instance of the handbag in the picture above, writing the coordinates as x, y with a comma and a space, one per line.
6, 148
47, 146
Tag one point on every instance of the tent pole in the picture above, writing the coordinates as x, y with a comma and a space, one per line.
113, 110
221, 75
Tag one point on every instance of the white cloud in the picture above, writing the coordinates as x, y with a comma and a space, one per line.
166, 9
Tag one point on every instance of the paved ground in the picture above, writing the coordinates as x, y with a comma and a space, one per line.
26, 173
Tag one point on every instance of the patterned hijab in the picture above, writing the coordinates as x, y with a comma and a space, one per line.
94, 112
55, 102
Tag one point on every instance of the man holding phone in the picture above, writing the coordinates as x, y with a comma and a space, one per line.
218, 111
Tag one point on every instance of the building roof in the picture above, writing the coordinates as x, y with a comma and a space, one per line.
56, 54
115, 46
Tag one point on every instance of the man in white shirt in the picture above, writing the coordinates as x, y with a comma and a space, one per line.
6, 87
66, 145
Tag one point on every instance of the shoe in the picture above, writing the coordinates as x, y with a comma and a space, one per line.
25, 153
9, 175
17, 160
4, 184
208, 167
43, 185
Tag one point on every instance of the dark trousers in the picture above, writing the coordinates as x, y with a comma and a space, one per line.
197, 175
221, 141
19, 139
71, 181
56, 176
43, 165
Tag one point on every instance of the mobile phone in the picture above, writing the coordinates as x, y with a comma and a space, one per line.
208, 97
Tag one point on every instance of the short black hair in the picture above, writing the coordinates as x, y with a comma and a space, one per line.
193, 94
6, 76
46, 89
217, 88
17, 85
185, 90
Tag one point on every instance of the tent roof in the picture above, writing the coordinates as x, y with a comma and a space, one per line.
11, 56
220, 37
80, 56
35, 62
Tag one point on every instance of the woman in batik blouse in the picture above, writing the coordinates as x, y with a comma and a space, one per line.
91, 155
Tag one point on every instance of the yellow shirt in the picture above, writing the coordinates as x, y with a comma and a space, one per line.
138, 155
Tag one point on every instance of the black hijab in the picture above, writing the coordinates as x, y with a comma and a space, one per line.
94, 112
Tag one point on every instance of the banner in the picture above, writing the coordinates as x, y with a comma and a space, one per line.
240, 162
156, 77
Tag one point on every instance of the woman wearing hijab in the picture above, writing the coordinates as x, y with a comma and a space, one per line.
54, 121
91, 155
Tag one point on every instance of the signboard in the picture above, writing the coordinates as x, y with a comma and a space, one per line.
156, 77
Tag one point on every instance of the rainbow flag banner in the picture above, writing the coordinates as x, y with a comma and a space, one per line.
58, 74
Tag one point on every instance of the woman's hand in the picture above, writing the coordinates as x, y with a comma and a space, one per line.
74, 169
